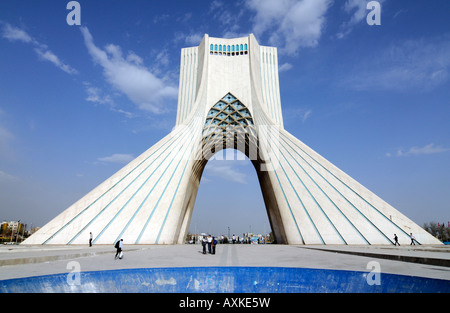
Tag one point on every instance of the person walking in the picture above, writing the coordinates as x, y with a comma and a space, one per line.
118, 246
396, 240
412, 239
90, 239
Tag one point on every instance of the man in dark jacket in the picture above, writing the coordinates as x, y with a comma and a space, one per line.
118, 246
204, 244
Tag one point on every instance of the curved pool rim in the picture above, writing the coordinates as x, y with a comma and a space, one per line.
225, 280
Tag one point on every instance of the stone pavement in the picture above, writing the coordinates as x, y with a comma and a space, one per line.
423, 261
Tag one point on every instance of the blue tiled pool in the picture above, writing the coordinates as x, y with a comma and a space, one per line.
223, 280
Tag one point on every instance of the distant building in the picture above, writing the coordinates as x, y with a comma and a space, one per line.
12, 226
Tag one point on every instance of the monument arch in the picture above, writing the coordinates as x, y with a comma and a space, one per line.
230, 98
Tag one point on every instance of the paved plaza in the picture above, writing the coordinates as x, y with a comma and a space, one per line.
421, 261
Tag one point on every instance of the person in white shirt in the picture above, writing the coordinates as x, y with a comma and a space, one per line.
209, 243
412, 239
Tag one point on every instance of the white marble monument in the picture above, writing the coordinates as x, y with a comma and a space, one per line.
229, 97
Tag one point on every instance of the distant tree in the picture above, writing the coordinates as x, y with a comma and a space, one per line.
441, 232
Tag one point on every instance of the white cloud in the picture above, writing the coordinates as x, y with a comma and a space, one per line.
227, 172
306, 115
130, 77
293, 24
47, 55
358, 11
285, 67
428, 149
216, 5
190, 39
118, 158
134, 58
16, 34
95, 95
194, 39
358, 7
228, 164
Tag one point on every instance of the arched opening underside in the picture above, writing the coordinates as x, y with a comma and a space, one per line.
229, 125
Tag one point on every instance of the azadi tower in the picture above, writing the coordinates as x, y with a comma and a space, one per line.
229, 97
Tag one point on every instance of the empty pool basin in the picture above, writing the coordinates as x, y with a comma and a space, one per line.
225, 280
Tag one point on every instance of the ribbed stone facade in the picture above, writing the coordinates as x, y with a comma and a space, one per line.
229, 97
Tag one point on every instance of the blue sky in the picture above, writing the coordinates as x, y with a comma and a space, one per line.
79, 102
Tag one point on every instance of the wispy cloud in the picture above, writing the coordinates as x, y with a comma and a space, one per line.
428, 149
16, 34
226, 15
117, 158
293, 24
49, 56
227, 172
228, 165
12, 34
420, 64
129, 76
97, 96
357, 9
285, 67
7, 178
194, 39
297, 114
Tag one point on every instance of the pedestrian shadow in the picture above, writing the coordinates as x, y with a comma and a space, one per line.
201, 252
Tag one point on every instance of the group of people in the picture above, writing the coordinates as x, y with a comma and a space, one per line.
211, 242
413, 239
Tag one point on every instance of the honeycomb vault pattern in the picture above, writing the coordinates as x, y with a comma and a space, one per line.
229, 124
